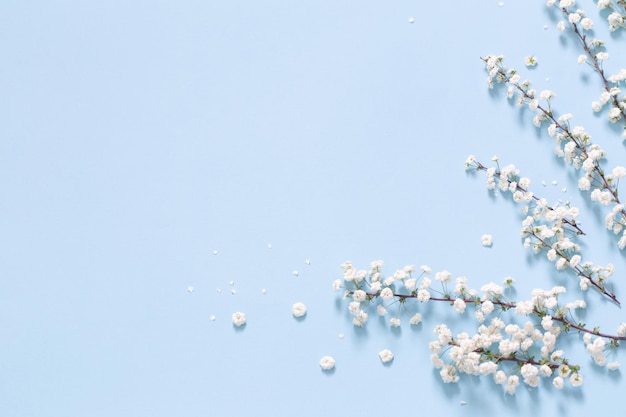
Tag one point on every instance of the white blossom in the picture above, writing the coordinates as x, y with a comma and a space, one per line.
327, 363
385, 355
415, 319
386, 294
239, 319
298, 310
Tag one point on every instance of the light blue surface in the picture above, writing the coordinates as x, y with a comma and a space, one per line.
137, 137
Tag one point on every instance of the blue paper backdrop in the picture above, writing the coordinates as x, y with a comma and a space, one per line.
139, 137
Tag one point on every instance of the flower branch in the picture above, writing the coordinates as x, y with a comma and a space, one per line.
573, 144
594, 57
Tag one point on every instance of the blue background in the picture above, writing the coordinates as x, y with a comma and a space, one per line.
138, 137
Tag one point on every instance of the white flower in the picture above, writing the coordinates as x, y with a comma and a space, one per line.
336, 284
584, 284
448, 374
486, 240
385, 355
459, 305
239, 319
596, 106
546, 94
416, 319
573, 17
298, 310
443, 276
621, 330
381, 310
619, 172
612, 366
499, 377
566, 3
615, 114
558, 382
545, 370
423, 295
359, 295
615, 20
327, 363
360, 318
602, 56
584, 184
487, 307
560, 26
386, 294
576, 380
586, 23
603, 4
605, 97
530, 61
395, 322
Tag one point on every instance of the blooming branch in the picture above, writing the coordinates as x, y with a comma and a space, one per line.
573, 144
531, 348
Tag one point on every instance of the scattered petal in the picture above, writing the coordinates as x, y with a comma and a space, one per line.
215, 252
307, 261
231, 283
554, 182
218, 290
263, 291
295, 273
212, 317
463, 402
411, 20
341, 335
190, 289
233, 291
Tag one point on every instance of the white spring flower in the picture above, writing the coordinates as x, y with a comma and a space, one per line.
459, 305
416, 319
576, 380
386, 294
298, 310
327, 363
612, 366
394, 322
239, 319
586, 23
359, 295
486, 240
385, 355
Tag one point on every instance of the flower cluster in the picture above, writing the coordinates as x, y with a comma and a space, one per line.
519, 342
549, 228
573, 144
497, 347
